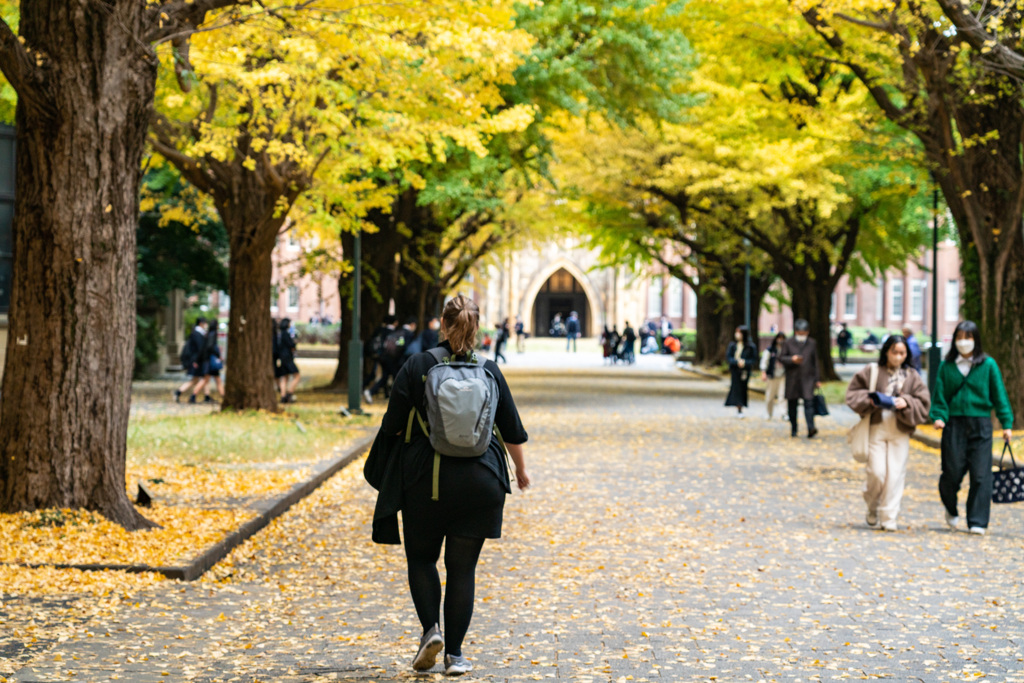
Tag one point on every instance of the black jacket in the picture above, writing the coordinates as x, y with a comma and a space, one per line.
394, 465
195, 347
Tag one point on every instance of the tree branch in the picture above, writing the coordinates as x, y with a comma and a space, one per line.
163, 143
20, 69
973, 31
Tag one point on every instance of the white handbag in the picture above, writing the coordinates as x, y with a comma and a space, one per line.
860, 433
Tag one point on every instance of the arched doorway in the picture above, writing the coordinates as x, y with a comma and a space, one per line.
561, 294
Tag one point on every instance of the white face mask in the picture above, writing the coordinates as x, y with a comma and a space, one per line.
965, 346
801, 338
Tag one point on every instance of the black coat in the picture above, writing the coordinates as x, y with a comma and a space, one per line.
393, 464
800, 379
740, 376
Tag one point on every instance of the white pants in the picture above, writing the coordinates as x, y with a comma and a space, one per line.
772, 393
888, 449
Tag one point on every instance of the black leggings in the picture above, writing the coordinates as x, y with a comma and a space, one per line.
460, 558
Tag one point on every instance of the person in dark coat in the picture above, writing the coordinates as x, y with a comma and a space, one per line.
572, 331
629, 344
285, 369
470, 493
800, 358
844, 340
194, 360
741, 356
430, 337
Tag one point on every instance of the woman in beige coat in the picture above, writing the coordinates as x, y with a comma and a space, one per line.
897, 403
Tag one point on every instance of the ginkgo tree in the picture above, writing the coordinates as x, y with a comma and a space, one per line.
303, 105
950, 72
85, 76
779, 151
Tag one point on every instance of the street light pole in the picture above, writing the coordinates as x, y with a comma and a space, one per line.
746, 290
935, 353
355, 347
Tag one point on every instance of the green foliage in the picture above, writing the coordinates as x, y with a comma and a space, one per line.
174, 254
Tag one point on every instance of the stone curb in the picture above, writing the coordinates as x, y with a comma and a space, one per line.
272, 508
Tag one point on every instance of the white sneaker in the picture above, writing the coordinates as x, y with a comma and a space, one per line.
431, 645
889, 526
741, 416
978, 530
456, 665
367, 396
953, 522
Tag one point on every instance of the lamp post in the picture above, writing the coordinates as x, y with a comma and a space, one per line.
935, 353
746, 289
355, 347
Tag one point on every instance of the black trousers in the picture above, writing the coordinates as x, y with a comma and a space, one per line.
967, 449
808, 413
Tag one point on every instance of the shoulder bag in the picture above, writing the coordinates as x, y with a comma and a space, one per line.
859, 434
1008, 485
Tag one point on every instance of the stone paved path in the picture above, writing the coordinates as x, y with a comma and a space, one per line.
664, 540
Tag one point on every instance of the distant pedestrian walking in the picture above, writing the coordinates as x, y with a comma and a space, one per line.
572, 331
214, 365
500, 339
773, 374
628, 344
844, 340
913, 348
520, 336
193, 359
455, 501
285, 369
896, 404
968, 387
800, 357
741, 356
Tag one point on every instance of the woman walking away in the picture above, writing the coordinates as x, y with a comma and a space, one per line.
967, 388
286, 371
772, 374
896, 404
457, 501
741, 356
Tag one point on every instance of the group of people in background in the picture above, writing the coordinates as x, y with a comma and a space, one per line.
387, 349
619, 347
201, 358
893, 397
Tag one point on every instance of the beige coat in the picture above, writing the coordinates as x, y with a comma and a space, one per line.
914, 392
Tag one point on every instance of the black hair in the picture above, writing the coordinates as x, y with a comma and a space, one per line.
411, 320
200, 320
969, 328
390, 319
776, 337
285, 323
891, 341
745, 333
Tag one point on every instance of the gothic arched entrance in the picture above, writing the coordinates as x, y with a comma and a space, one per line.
561, 294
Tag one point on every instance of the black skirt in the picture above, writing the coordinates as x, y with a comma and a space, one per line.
471, 500
738, 389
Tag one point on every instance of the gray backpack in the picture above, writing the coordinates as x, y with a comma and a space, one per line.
461, 403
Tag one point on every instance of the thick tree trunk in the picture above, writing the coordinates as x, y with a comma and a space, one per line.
813, 303
249, 381
711, 327
67, 377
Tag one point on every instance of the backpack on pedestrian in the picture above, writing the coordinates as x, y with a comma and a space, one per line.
461, 401
394, 345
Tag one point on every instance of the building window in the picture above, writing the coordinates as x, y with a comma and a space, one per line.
691, 309
952, 300
897, 299
293, 242
675, 297
275, 296
293, 298
832, 307
224, 301
850, 305
917, 300
654, 298
880, 300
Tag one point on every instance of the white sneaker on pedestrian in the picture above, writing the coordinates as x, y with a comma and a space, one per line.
431, 645
953, 522
367, 396
889, 526
977, 530
456, 665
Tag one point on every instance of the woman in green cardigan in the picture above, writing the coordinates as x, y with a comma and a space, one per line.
967, 388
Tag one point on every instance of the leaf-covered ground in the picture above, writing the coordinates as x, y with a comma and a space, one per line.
664, 540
